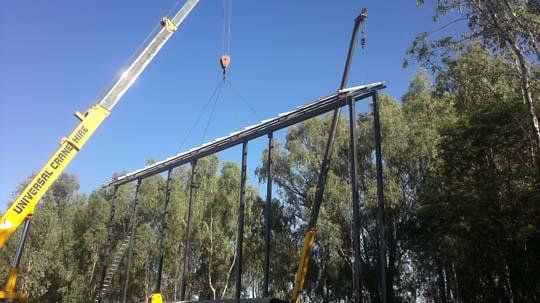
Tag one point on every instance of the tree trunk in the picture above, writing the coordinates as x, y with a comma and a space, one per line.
527, 91
229, 274
442, 290
392, 252
533, 42
508, 283
523, 68
457, 290
210, 257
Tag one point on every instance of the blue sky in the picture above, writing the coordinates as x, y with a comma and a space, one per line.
57, 57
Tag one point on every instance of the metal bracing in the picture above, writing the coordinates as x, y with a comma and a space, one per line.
302, 113
380, 197
268, 215
187, 242
240, 231
163, 232
131, 238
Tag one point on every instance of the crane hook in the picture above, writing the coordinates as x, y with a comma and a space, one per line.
224, 61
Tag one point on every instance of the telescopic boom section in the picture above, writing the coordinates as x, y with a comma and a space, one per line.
26, 202
309, 239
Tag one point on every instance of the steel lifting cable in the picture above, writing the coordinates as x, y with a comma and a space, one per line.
242, 98
225, 58
201, 112
210, 117
224, 61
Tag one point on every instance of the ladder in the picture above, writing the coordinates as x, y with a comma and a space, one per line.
116, 259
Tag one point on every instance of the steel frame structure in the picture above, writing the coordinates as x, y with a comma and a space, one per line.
302, 113
344, 97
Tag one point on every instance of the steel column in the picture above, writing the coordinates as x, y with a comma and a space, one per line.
380, 196
268, 215
163, 230
187, 243
240, 232
353, 150
108, 243
131, 238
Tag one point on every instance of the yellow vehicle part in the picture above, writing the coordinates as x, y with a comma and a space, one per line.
304, 262
10, 286
12, 279
26, 202
16, 296
155, 298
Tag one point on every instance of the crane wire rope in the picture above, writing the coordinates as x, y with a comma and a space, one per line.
210, 117
226, 27
243, 99
200, 114
225, 58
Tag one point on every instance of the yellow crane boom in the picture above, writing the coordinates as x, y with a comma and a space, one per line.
24, 205
26, 202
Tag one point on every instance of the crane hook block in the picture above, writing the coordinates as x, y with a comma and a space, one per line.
224, 61
168, 24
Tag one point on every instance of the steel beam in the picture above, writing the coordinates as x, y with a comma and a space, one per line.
284, 120
240, 231
163, 232
380, 196
353, 150
187, 243
268, 215
131, 238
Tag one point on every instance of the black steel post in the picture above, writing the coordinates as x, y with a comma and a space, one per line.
187, 242
163, 232
380, 196
240, 231
268, 215
353, 140
131, 238
108, 243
